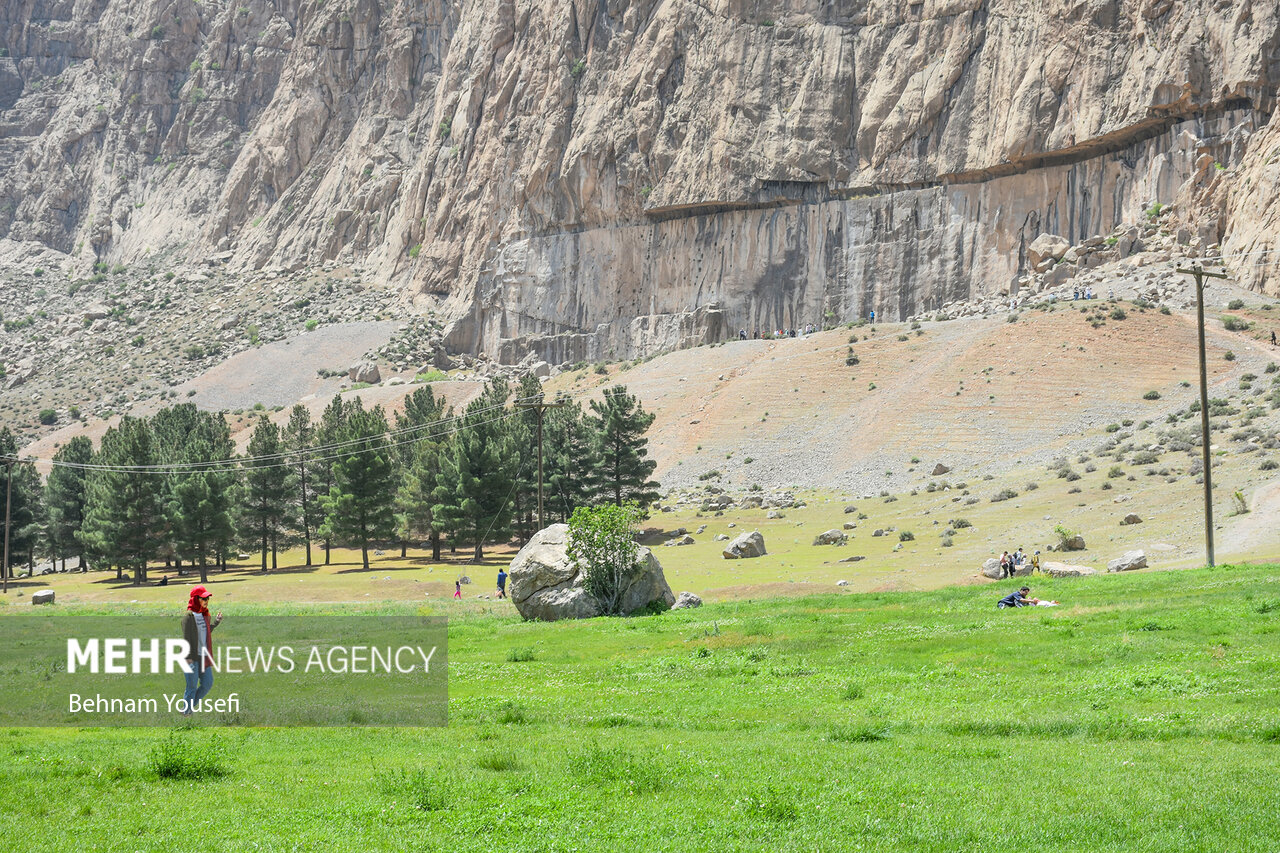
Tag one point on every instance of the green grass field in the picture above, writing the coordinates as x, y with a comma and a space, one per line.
1143, 714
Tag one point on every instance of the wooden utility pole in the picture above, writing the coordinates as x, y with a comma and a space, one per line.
540, 407
8, 516
1200, 274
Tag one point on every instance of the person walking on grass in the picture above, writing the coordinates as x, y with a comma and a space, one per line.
502, 583
457, 590
197, 630
1035, 563
1006, 566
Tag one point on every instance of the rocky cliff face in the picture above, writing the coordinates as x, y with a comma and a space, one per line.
601, 177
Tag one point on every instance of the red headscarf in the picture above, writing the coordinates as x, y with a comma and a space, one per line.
195, 605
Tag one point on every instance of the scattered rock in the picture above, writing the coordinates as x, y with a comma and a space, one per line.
722, 537
850, 525
686, 599
1047, 246
1075, 543
1127, 563
850, 509
940, 469
991, 569
773, 513
464, 580
831, 537
681, 540
856, 558
842, 583
43, 596
879, 531
747, 545
1131, 518
365, 371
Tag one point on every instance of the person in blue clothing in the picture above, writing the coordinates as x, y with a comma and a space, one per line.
1017, 599
502, 583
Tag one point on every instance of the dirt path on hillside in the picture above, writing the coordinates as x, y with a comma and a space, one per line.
1258, 529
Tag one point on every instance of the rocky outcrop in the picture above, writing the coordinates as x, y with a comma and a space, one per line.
1065, 570
1130, 561
546, 585
720, 169
831, 537
746, 546
686, 600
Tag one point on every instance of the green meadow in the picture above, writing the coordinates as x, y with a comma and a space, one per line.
1141, 714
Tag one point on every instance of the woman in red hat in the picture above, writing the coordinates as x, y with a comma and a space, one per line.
197, 629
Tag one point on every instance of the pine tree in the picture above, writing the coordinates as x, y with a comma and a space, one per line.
24, 504
199, 504
268, 488
420, 441
299, 438
570, 468
122, 507
620, 423
332, 423
522, 438
475, 483
65, 497
359, 507
170, 429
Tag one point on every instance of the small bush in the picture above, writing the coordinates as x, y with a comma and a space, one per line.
1269, 465
1117, 313
1063, 533
1116, 471
858, 733
1271, 367
961, 523
48, 416
1229, 356
1151, 395
1234, 324
1235, 304
181, 757
521, 654
906, 536
1003, 495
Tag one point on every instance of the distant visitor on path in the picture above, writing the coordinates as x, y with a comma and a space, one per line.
1035, 563
197, 630
502, 583
1273, 338
1006, 566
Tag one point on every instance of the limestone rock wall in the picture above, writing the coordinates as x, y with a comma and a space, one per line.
605, 175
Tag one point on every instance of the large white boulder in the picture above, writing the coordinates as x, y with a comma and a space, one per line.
1064, 570
1127, 563
544, 584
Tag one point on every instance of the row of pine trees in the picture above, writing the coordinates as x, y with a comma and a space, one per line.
171, 488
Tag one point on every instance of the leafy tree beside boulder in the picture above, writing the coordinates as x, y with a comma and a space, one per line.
602, 543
